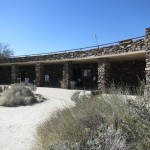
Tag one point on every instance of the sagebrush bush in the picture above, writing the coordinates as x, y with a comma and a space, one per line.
17, 96
109, 121
80, 96
29, 85
104, 138
3, 88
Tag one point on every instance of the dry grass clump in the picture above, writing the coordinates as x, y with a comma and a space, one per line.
17, 96
106, 122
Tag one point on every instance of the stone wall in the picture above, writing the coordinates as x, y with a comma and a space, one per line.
103, 74
14, 73
39, 69
67, 75
121, 47
127, 73
147, 69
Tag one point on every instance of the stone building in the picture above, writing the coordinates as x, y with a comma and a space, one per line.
121, 63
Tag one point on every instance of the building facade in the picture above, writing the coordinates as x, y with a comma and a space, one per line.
121, 63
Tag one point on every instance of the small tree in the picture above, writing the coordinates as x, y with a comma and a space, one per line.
5, 50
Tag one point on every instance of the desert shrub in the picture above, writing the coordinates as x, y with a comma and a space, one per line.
64, 145
17, 96
76, 96
3, 88
106, 137
103, 138
30, 85
109, 121
80, 96
71, 124
39, 98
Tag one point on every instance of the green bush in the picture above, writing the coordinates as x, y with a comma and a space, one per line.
17, 96
111, 121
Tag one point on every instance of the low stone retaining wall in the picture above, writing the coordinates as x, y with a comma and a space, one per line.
122, 47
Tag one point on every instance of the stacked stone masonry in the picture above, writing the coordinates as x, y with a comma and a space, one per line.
147, 69
103, 74
122, 47
14, 73
39, 69
67, 75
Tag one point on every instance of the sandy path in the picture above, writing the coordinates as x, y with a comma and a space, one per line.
18, 125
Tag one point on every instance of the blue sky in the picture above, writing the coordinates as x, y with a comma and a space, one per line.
41, 26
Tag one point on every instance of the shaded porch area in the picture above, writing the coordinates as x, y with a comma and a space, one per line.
53, 74
127, 74
5, 74
27, 72
85, 75
88, 74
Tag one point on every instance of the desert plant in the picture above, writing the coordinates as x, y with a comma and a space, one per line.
3, 88
30, 85
70, 124
76, 96
103, 138
63, 145
16, 96
109, 121
80, 96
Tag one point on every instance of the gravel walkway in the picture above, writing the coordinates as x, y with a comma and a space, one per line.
18, 125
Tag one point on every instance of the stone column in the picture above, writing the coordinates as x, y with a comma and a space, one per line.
147, 68
67, 74
14, 73
39, 70
103, 74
